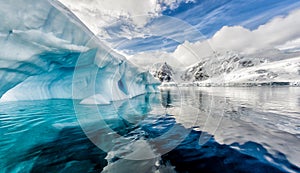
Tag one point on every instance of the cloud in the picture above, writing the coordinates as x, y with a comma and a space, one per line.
172, 4
132, 21
134, 14
146, 60
290, 46
280, 32
271, 35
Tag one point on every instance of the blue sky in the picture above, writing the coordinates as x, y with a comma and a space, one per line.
211, 15
207, 17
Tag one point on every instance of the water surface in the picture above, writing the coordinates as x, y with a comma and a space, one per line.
176, 130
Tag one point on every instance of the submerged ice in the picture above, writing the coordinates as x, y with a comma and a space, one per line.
46, 52
171, 131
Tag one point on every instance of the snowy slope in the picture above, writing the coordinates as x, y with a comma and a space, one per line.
278, 72
232, 69
217, 65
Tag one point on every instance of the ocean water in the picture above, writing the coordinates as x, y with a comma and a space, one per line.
175, 130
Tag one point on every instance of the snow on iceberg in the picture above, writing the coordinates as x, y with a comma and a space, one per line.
46, 52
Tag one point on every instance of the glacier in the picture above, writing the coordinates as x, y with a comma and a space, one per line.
47, 52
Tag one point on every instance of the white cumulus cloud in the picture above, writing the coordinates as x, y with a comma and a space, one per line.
276, 32
98, 14
281, 33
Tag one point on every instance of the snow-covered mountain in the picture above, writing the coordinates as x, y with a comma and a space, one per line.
163, 72
217, 65
233, 69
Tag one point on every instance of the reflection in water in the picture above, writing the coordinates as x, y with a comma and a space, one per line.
245, 130
166, 98
189, 156
70, 152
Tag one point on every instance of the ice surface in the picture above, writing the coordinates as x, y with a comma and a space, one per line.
46, 52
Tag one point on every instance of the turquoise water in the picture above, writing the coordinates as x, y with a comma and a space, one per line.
176, 130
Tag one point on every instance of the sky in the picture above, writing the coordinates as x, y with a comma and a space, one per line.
135, 27
208, 17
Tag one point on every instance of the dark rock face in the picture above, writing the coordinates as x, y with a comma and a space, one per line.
164, 73
247, 63
196, 73
261, 71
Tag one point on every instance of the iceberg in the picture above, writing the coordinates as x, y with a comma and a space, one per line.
47, 52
